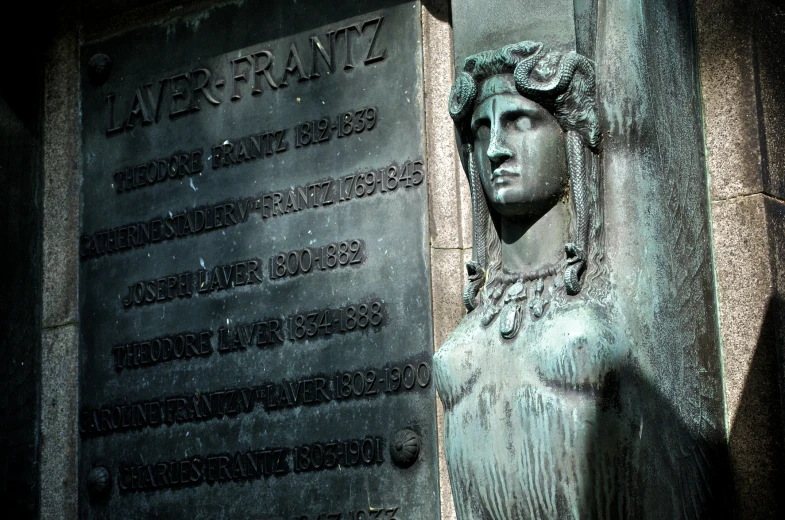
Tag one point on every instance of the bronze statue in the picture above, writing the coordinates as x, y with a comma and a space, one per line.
544, 410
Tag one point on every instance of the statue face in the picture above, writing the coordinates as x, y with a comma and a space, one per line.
519, 150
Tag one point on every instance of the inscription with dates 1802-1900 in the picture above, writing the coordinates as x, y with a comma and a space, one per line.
256, 338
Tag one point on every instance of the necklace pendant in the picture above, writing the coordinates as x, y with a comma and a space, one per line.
488, 314
537, 306
510, 320
516, 292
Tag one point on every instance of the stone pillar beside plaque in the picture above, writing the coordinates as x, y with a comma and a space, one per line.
255, 311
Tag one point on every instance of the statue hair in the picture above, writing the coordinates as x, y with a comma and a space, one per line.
563, 84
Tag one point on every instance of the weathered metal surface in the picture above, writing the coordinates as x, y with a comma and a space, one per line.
254, 286
585, 380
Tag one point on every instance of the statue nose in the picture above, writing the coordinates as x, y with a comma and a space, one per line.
498, 152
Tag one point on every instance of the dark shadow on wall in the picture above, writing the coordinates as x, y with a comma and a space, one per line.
21, 186
682, 468
768, 35
20, 316
440, 9
757, 431
673, 469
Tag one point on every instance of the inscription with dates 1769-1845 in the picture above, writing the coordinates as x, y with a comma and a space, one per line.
256, 340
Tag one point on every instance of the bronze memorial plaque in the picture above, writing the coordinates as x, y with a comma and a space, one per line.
256, 333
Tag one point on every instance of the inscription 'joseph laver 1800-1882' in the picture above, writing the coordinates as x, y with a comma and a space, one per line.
282, 358
244, 272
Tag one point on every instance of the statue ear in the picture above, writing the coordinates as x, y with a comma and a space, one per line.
462, 96
464, 148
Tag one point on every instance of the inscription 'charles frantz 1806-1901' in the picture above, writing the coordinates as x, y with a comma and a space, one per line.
370, 513
253, 464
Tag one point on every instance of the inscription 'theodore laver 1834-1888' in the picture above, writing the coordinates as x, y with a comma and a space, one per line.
287, 360
263, 333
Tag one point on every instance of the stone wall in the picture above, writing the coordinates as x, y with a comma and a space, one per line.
449, 199
741, 52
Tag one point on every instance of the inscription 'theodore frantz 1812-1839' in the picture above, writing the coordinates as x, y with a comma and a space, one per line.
256, 329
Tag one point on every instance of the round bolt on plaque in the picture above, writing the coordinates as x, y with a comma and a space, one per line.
404, 448
99, 482
98, 69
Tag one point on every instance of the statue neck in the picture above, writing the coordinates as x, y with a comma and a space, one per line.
528, 245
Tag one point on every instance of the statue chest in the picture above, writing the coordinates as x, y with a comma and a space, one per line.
525, 426
569, 351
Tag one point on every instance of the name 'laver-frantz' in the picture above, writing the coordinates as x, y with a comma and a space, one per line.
248, 72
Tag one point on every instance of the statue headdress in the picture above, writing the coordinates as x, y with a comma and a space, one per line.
563, 83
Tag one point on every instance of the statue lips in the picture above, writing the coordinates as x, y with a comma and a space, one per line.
500, 176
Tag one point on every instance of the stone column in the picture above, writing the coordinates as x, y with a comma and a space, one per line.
742, 78
449, 201
60, 339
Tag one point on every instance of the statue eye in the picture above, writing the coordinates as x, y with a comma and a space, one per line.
479, 126
514, 115
481, 131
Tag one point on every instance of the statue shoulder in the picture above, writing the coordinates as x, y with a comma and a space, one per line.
462, 337
584, 321
577, 344
455, 363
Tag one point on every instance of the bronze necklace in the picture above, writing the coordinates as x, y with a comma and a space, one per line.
511, 291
